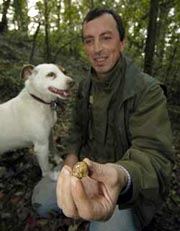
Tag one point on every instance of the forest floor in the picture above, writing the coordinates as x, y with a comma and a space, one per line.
19, 172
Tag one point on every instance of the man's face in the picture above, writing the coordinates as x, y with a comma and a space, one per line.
102, 43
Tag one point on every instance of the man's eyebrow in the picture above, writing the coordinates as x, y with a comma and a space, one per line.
87, 36
106, 32
91, 36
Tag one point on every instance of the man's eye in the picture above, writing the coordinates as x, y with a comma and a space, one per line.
106, 37
88, 41
51, 75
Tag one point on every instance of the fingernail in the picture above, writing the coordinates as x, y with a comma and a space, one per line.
65, 171
74, 181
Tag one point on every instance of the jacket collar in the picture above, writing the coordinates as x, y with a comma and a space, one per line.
132, 81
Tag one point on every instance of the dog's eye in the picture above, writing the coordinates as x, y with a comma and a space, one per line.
52, 75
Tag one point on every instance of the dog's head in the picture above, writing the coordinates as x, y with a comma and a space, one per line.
48, 81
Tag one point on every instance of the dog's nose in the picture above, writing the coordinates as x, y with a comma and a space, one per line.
70, 82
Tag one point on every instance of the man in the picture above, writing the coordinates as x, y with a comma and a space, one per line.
121, 128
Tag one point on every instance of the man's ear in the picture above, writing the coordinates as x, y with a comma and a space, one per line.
26, 71
123, 45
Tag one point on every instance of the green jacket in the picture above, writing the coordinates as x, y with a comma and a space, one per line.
124, 119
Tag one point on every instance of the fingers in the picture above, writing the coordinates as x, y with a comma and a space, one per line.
95, 207
90, 208
81, 199
64, 196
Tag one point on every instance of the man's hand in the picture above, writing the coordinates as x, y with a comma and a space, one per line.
95, 196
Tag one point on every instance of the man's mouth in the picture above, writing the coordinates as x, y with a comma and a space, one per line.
100, 60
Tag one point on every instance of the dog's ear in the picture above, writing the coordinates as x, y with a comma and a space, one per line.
62, 69
26, 71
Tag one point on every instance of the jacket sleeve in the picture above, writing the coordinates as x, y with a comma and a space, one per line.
150, 158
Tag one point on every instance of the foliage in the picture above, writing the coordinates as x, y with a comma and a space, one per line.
53, 31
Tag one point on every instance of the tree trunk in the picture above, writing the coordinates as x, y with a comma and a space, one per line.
92, 4
162, 28
58, 14
4, 22
151, 37
46, 39
34, 43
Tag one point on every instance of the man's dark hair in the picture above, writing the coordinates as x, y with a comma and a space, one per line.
96, 12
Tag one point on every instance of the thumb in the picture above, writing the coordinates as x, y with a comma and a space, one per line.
97, 171
109, 173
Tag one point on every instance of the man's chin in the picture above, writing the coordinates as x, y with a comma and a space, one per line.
101, 70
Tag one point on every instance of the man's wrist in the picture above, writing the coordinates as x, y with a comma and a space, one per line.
129, 181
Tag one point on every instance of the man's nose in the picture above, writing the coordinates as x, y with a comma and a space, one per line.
97, 46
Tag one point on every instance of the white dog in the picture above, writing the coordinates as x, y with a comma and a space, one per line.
28, 118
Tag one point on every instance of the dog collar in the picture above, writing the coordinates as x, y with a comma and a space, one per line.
53, 104
40, 100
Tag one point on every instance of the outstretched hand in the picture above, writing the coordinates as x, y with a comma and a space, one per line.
94, 197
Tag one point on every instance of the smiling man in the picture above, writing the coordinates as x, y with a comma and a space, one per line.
122, 132
121, 128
